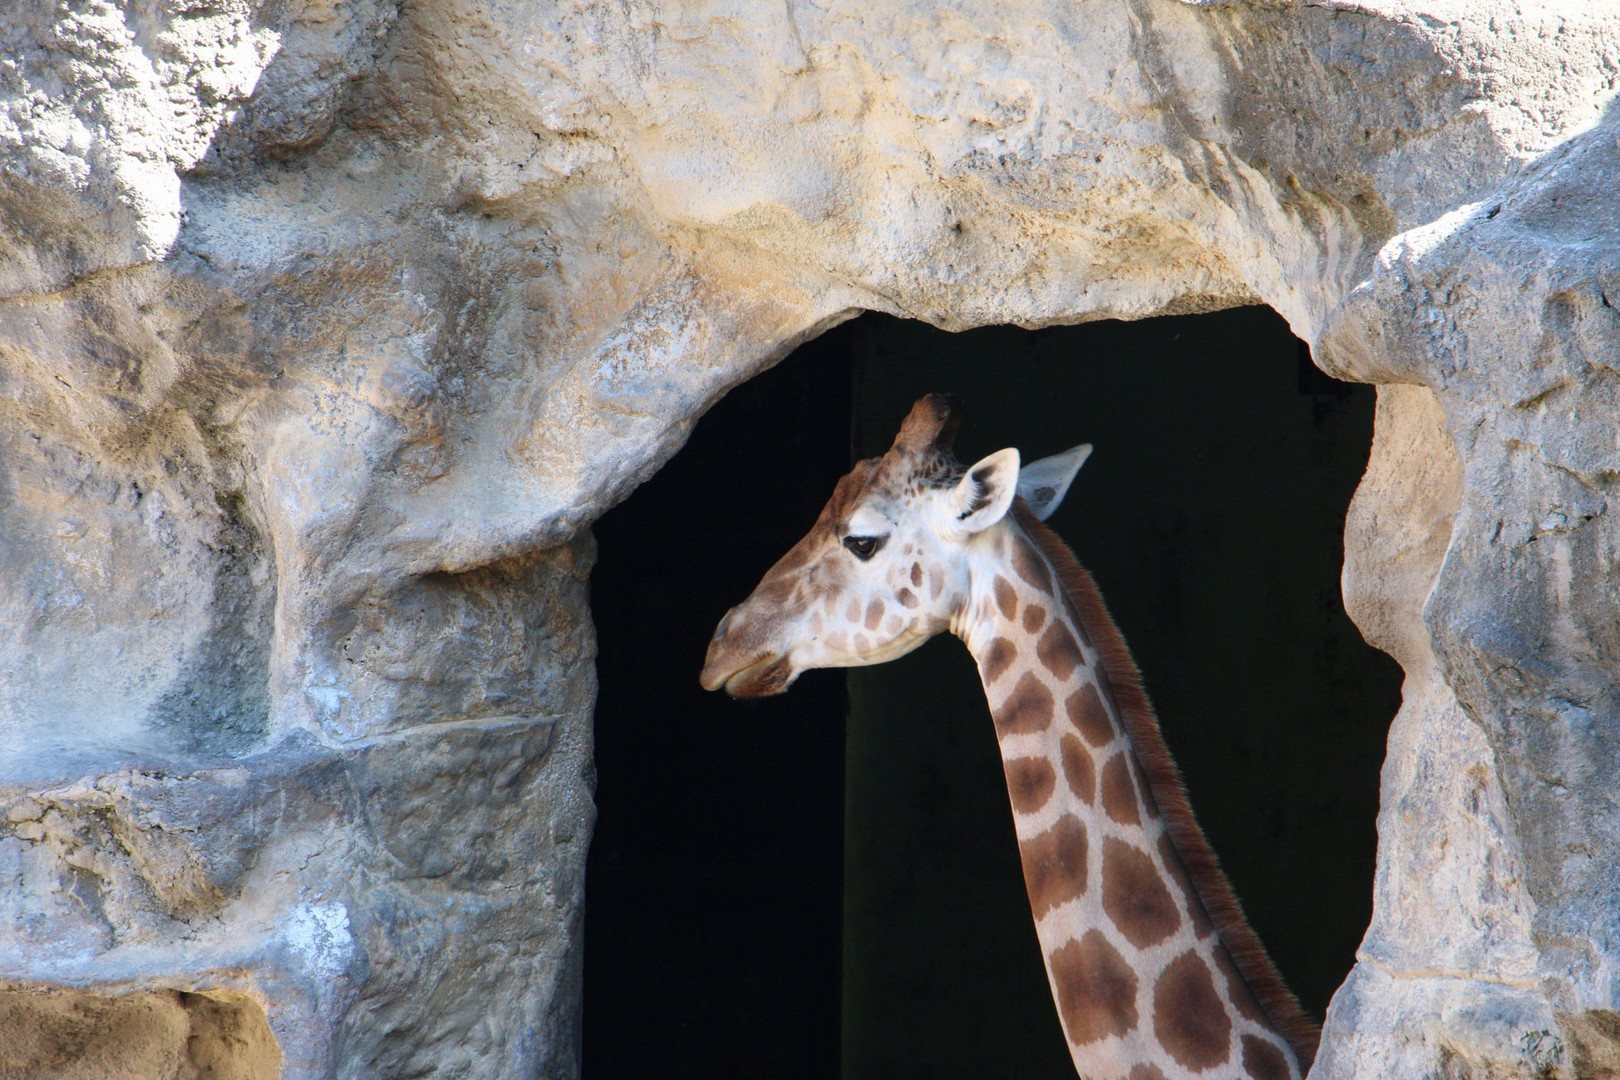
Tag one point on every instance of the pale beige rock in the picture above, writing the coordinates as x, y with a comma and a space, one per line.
1502, 309
329, 327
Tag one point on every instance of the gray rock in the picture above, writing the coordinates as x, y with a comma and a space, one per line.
328, 328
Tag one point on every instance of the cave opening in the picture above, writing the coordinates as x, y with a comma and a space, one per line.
826, 882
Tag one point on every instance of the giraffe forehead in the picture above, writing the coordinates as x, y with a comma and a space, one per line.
904, 482
868, 519
886, 506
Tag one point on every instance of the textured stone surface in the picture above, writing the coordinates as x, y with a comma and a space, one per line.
83, 1035
1497, 912
327, 327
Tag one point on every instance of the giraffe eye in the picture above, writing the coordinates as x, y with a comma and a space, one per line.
863, 547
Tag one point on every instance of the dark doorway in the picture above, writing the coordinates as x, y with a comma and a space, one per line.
714, 888
762, 904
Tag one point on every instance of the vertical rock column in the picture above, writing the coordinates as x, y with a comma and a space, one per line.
1481, 552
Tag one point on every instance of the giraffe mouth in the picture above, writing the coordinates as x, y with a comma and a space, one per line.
770, 674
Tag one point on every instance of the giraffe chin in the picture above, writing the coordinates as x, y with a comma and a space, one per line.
768, 675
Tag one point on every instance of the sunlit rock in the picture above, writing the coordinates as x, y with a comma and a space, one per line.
329, 327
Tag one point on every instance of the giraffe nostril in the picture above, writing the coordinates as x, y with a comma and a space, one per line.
725, 622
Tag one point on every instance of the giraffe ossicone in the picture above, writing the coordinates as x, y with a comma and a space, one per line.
1153, 970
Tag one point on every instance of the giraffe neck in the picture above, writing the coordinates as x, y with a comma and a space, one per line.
1144, 979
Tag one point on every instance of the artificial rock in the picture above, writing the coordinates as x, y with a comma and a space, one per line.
328, 326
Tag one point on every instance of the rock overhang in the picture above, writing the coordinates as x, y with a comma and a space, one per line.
318, 363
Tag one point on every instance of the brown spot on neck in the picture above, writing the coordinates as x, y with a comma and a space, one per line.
1028, 708
1096, 989
1055, 865
1263, 1061
1058, 652
1030, 783
1034, 616
1188, 1016
997, 658
1089, 716
1078, 769
1006, 597
1030, 566
1118, 793
1134, 895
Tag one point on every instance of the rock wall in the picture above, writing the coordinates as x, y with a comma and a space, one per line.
329, 325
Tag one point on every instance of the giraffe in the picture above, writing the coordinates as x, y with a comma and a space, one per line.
1154, 971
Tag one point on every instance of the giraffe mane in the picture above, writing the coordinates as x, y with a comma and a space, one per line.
1164, 781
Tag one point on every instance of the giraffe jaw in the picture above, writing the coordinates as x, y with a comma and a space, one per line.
773, 673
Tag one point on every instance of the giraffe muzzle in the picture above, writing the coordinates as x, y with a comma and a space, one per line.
740, 659
769, 674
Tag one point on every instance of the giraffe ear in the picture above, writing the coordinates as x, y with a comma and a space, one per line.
1044, 483
981, 498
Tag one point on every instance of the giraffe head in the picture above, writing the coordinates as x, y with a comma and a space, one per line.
887, 564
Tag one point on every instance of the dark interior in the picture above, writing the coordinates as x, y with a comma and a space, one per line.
825, 883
